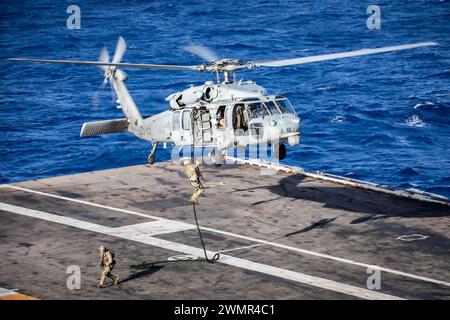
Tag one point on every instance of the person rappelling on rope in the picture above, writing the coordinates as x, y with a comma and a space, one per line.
193, 173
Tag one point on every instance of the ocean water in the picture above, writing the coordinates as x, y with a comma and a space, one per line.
383, 118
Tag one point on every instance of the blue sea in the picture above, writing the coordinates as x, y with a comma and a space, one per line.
383, 118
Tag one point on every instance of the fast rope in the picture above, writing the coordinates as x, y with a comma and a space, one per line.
146, 265
217, 255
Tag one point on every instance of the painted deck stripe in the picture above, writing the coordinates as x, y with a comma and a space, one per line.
92, 204
274, 244
326, 256
229, 260
242, 248
155, 227
18, 296
6, 294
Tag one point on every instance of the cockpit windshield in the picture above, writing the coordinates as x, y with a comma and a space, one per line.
284, 106
272, 108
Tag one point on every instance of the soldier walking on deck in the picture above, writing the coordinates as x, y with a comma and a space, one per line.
193, 173
107, 263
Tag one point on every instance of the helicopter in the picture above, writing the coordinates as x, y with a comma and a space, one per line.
221, 115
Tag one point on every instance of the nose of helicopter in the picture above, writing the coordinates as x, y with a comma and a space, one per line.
286, 127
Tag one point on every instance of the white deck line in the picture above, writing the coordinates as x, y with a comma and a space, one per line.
156, 227
241, 248
274, 244
229, 260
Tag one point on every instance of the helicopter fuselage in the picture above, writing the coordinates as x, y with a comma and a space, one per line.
225, 115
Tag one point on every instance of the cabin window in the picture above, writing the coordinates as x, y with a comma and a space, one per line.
221, 119
176, 120
186, 120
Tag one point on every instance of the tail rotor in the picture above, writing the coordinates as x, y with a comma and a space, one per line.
108, 71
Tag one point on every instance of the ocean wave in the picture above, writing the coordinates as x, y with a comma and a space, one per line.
414, 121
377, 139
408, 172
338, 119
327, 89
442, 94
403, 140
427, 104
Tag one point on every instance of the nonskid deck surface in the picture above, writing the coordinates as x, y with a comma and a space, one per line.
281, 236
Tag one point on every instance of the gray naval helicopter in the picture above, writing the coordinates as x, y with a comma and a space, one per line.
222, 115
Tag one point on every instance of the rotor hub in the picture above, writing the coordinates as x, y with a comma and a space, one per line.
108, 73
225, 65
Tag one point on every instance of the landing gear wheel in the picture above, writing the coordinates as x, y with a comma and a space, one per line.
151, 156
151, 159
216, 158
279, 151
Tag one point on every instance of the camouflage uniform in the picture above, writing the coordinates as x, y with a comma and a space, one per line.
107, 264
193, 173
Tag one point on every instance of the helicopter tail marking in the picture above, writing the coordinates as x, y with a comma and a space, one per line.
95, 128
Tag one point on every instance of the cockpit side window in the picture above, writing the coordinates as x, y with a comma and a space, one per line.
257, 110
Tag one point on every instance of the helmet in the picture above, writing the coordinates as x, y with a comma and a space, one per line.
185, 160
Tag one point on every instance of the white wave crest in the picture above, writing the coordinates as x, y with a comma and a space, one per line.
414, 121
338, 119
426, 104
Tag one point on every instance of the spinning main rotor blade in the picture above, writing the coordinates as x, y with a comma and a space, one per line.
98, 63
225, 65
203, 52
362, 52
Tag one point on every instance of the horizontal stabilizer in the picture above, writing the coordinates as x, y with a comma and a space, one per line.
95, 128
